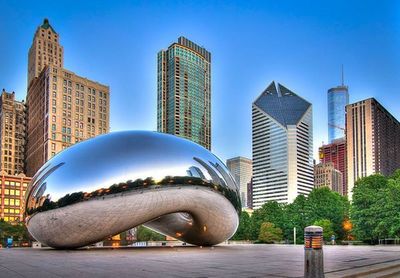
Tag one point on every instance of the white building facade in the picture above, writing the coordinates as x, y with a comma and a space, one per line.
282, 135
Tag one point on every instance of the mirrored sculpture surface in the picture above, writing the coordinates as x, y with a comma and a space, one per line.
114, 182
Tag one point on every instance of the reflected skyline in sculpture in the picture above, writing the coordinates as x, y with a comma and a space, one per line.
180, 183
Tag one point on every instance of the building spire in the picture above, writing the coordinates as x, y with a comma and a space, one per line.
46, 25
342, 76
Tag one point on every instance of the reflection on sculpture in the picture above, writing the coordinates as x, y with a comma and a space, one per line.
114, 182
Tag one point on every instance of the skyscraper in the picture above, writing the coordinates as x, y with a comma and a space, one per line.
62, 107
241, 169
184, 92
282, 146
45, 50
12, 134
335, 152
373, 141
325, 174
338, 98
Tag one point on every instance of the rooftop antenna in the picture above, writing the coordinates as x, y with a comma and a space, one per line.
342, 76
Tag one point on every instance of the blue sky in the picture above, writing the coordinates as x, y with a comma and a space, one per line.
300, 44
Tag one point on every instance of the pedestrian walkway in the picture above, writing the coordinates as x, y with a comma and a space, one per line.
220, 261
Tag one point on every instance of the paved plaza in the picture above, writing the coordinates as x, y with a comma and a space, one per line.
189, 261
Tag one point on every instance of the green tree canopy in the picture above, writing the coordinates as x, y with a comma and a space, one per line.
322, 203
375, 211
17, 231
244, 230
145, 234
269, 233
298, 217
326, 225
272, 212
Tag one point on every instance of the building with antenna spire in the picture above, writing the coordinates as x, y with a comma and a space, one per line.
336, 150
338, 98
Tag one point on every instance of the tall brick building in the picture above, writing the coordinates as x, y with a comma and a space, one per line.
373, 141
63, 108
325, 174
12, 134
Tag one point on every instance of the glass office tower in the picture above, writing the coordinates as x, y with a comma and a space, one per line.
282, 136
184, 92
338, 98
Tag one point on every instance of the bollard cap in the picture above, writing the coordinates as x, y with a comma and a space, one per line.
313, 230
313, 237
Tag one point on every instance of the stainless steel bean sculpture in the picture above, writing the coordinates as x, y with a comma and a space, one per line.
114, 182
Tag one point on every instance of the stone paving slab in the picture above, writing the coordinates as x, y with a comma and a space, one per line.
189, 261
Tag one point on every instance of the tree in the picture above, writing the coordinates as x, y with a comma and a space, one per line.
297, 215
244, 229
326, 225
17, 231
269, 233
391, 208
145, 234
375, 210
322, 203
364, 213
272, 212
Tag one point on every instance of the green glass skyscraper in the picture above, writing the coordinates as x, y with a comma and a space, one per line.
184, 92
